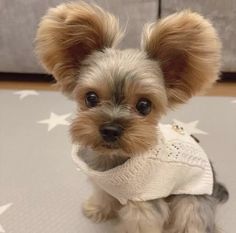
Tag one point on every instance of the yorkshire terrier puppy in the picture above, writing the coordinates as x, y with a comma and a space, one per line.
121, 96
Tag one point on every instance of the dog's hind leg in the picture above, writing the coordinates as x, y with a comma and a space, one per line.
192, 214
143, 217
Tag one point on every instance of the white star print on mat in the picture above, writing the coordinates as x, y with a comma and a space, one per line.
2, 210
55, 120
190, 127
24, 93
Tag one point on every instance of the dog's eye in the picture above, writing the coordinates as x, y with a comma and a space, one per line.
144, 106
91, 99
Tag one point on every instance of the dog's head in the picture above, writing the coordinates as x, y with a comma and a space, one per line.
122, 94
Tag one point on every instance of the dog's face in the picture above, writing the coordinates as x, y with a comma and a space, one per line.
119, 104
121, 95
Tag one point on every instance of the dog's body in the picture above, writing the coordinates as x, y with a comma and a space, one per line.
122, 96
174, 214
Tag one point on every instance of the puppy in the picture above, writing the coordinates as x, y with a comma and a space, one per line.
121, 96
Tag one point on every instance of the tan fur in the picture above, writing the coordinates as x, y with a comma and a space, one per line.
139, 135
70, 32
180, 56
188, 50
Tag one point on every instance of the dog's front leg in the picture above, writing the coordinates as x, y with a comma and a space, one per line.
100, 206
143, 217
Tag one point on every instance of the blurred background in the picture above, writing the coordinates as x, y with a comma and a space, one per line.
19, 20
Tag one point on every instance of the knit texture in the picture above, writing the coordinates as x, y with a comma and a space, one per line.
177, 165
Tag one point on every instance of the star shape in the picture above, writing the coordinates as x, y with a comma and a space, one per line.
190, 127
2, 210
55, 120
233, 102
25, 93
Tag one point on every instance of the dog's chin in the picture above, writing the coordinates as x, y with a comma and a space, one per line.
109, 149
120, 148
117, 149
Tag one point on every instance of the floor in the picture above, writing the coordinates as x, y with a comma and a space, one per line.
42, 191
219, 89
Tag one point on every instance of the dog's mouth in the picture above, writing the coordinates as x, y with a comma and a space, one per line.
110, 146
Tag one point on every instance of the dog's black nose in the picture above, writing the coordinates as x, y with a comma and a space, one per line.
111, 132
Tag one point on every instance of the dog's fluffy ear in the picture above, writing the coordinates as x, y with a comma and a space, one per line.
70, 32
188, 51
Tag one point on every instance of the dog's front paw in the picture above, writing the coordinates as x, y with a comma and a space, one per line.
97, 213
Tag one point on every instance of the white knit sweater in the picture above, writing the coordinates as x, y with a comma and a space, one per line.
177, 165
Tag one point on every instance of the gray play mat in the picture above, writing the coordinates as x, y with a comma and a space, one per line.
40, 189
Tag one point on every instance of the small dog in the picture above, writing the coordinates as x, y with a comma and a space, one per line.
121, 97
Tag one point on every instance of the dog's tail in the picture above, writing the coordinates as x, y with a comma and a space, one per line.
220, 192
